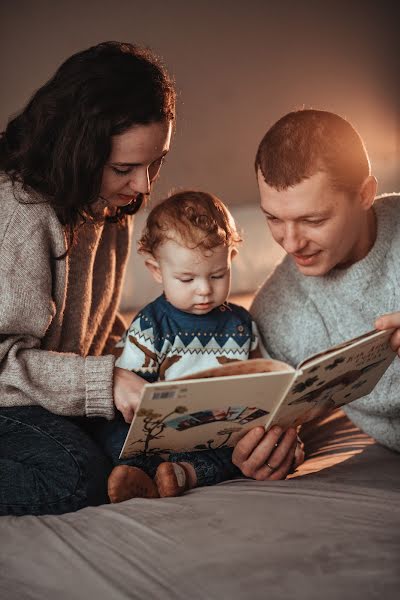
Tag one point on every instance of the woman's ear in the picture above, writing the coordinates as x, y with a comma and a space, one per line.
154, 268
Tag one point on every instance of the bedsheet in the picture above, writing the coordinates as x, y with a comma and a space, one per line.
332, 530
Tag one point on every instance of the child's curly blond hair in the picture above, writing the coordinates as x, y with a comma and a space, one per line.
192, 219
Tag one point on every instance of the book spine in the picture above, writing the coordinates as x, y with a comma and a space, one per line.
273, 414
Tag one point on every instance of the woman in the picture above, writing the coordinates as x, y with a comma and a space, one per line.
75, 164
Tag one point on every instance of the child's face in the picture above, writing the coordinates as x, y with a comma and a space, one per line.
194, 281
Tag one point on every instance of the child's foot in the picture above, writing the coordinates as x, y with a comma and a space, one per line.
126, 482
173, 479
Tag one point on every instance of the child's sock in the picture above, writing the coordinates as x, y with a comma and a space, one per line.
173, 479
126, 482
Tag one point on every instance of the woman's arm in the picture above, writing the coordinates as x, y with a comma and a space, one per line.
63, 383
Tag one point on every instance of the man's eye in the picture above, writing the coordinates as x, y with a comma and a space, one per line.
318, 222
271, 218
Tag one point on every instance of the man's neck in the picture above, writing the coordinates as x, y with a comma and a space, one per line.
371, 230
366, 242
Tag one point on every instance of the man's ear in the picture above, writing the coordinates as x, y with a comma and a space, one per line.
154, 268
368, 191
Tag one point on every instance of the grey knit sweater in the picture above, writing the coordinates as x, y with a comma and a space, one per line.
298, 316
58, 318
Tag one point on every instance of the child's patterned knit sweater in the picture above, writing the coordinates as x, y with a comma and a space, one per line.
164, 342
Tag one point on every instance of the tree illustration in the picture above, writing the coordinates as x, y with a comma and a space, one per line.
154, 425
228, 431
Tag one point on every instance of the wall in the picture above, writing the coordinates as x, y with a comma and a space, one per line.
238, 67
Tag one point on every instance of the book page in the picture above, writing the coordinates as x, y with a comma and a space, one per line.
201, 414
360, 340
336, 378
241, 367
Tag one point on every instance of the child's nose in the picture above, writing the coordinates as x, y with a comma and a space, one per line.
204, 288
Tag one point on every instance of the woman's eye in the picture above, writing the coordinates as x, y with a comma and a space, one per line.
120, 171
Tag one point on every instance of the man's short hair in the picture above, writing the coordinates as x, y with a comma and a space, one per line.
192, 219
304, 142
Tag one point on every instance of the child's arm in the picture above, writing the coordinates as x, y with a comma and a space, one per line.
136, 352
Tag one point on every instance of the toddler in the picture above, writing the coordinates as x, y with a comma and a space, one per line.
188, 244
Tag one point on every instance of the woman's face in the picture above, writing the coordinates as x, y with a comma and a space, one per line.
134, 163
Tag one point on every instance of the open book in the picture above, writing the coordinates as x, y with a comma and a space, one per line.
215, 408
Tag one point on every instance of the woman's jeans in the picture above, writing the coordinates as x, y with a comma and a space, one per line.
48, 464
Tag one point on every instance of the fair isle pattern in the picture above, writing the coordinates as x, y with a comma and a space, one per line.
165, 343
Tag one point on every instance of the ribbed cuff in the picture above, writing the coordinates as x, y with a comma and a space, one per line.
99, 386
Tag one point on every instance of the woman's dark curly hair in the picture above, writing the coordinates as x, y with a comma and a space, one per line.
58, 145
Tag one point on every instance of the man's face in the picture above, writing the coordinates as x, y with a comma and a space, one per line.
319, 227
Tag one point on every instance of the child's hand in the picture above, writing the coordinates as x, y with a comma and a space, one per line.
126, 390
387, 322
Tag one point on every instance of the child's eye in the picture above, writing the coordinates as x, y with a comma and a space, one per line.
218, 276
185, 280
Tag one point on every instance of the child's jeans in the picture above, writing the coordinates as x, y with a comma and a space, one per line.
211, 466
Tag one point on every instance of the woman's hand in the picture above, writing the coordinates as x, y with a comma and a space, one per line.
387, 322
126, 391
270, 455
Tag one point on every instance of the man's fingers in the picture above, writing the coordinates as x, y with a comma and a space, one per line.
277, 465
388, 321
271, 449
299, 455
284, 447
285, 466
261, 453
395, 341
246, 445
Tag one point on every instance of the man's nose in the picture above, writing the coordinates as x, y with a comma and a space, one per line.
293, 241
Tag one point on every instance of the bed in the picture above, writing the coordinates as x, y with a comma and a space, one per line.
331, 530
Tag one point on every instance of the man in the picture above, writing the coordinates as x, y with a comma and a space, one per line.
341, 269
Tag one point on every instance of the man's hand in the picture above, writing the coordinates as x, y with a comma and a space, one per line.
270, 455
387, 322
126, 391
